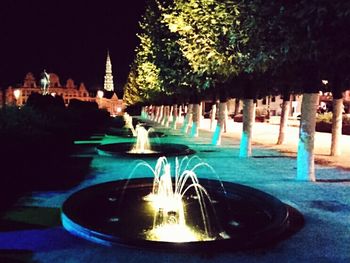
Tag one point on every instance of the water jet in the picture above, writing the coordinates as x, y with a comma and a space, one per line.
143, 147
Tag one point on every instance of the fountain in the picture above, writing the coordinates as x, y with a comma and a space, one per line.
176, 212
143, 147
130, 131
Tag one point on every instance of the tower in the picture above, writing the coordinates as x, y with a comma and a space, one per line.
108, 84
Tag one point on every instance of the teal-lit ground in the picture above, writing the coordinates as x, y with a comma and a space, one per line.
36, 234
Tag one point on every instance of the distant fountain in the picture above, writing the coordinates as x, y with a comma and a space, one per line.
177, 212
142, 145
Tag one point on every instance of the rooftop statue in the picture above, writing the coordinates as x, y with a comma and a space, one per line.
44, 82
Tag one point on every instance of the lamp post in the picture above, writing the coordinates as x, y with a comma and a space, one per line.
100, 96
17, 94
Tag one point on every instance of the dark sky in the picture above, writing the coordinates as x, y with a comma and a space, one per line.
69, 38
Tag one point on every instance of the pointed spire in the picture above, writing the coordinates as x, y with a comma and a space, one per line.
108, 83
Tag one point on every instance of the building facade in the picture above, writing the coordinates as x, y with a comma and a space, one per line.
19, 95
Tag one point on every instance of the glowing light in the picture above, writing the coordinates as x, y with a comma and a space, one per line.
164, 202
168, 203
119, 109
175, 233
53, 94
142, 141
100, 94
324, 82
17, 93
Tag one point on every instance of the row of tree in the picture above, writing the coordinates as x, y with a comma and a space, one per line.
245, 49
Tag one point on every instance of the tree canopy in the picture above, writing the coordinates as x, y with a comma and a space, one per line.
241, 46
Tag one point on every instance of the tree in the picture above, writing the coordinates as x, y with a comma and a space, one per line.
313, 49
147, 73
209, 41
334, 22
131, 95
178, 83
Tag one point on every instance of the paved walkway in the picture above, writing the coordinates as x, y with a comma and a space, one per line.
266, 134
36, 235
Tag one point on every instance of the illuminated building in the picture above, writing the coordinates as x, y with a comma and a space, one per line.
69, 91
108, 83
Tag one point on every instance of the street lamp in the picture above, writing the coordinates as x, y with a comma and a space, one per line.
99, 96
17, 93
324, 82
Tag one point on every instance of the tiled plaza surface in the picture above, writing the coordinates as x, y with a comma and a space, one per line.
325, 206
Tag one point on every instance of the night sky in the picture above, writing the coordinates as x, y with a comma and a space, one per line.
68, 38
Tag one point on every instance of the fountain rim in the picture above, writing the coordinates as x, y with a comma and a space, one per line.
271, 232
128, 134
158, 147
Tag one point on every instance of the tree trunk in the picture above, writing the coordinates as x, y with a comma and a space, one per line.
170, 116
245, 149
156, 113
175, 116
188, 118
216, 140
236, 107
180, 117
161, 115
196, 120
305, 155
284, 120
165, 115
337, 123
212, 117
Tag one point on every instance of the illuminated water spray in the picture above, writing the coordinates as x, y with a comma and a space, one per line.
142, 144
168, 200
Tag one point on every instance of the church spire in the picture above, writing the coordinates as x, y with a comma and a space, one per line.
108, 84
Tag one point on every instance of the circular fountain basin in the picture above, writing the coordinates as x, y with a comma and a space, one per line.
128, 133
116, 213
162, 149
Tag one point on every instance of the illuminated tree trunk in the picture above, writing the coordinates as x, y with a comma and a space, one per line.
284, 120
196, 120
216, 140
337, 123
161, 112
165, 115
147, 112
188, 119
180, 117
236, 107
175, 116
170, 116
162, 118
212, 117
156, 113
305, 155
245, 149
